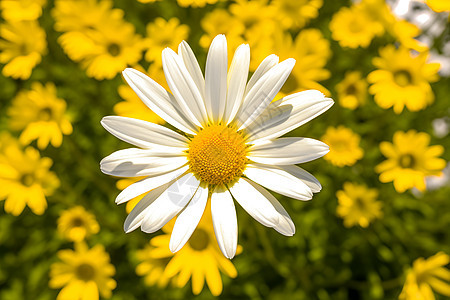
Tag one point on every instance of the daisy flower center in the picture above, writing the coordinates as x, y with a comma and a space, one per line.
402, 78
77, 222
85, 272
407, 161
27, 179
114, 49
217, 154
199, 240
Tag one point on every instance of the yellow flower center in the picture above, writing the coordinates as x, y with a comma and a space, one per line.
45, 114
406, 161
114, 49
217, 154
85, 272
77, 222
27, 179
199, 239
403, 78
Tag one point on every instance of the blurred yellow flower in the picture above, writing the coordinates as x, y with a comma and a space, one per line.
18, 10
82, 15
425, 276
195, 3
41, 115
295, 14
439, 5
353, 28
162, 34
352, 91
25, 178
200, 259
409, 160
83, 273
405, 33
311, 52
402, 79
256, 17
148, 1
358, 205
344, 146
219, 21
106, 50
152, 268
22, 45
76, 224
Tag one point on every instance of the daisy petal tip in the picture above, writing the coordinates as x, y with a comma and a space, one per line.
175, 247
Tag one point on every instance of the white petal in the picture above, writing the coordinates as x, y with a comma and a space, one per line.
191, 63
135, 162
216, 78
134, 219
263, 92
304, 107
248, 194
278, 181
268, 63
287, 151
170, 203
183, 87
237, 80
285, 225
225, 221
158, 100
143, 134
304, 176
147, 184
188, 219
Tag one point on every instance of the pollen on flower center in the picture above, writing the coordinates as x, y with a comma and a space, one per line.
217, 154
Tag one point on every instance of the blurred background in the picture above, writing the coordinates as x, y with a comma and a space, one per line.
377, 230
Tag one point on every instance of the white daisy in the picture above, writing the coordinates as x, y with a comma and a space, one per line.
229, 147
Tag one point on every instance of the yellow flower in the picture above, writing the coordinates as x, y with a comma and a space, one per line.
200, 259
402, 79
344, 146
405, 32
82, 15
83, 273
352, 91
311, 52
410, 160
352, 28
76, 224
358, 205
18, 10
22, 45
219, 21
106, 50
41, 116
25, 178
162, 34
295, 14
425, 276
148, 1
439, 5
256, 17
152, 268
195, 3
